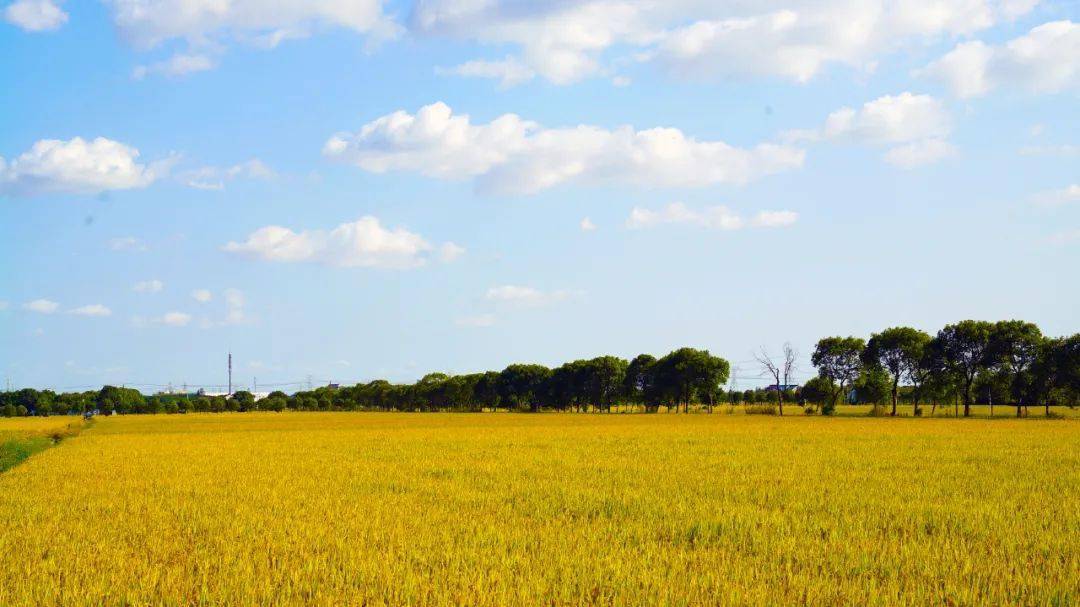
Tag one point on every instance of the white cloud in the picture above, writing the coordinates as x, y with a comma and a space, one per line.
449, 252
362, 243
1063, 149
35, 15
234, 304
890, 119
148, 286
214, 178
480, 320
1054, 198
916, 125
41, 306
522, 295
918, 153
791, 39
175, 319
1066, 237
512, 155
775, 219
1045, 60
180, 64
215, 24
202, 295
126, 243
77, 166
509, 71
587, 225
92, 310
714, 217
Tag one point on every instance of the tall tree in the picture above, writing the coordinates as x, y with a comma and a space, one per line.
897, 350
839, 360
604, 377
1014, 349
963, 350
687, 373
523, 385
639, 384
780, 370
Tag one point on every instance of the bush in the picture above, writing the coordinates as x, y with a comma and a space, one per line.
828, 408
878, 411
764, 409
918, 411
809, 410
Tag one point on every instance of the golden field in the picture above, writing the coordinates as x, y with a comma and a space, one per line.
497, 509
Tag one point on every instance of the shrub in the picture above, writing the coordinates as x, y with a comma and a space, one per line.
762, 409
809, 410
878, 411
918, 411
828, 408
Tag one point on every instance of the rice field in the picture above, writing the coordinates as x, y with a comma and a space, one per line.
506, 509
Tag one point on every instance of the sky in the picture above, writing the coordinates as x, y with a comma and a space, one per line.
343, 190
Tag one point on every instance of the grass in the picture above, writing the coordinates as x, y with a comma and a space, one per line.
22, 437
496, 509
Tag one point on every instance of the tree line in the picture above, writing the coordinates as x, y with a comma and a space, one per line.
1005, 363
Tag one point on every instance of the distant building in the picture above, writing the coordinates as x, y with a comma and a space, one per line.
784, 387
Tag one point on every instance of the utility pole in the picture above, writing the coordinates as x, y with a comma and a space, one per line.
254, 385
229, 393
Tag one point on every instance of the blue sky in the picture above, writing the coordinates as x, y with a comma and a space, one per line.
351, 189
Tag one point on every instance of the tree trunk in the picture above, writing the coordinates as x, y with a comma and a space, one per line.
895, 386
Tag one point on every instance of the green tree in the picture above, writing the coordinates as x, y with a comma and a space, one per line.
687, 373
1013, 351
639, 384
963, 351
243, 400
838, 360
523, 384
899, 351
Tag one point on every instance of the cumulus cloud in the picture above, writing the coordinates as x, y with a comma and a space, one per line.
918, 153
91, 310
713, 217
509, 71
795, 40
449, 252
515, 156
587, 225
126, 243
41, 306
211, 27
180, 64
35, 15
77, 166
175, 319
362, 243
1045, 60
234, 305
523, 295
1064, 237
1055, 198
1063, 149
148, 286
480, 320
914, 125
214, 178
774, 219
202, 295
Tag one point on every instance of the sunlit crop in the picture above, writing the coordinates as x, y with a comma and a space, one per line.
495, 509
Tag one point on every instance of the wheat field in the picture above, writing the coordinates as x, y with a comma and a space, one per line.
498, 509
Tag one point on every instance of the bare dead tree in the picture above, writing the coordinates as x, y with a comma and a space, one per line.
791, 365
768, 367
